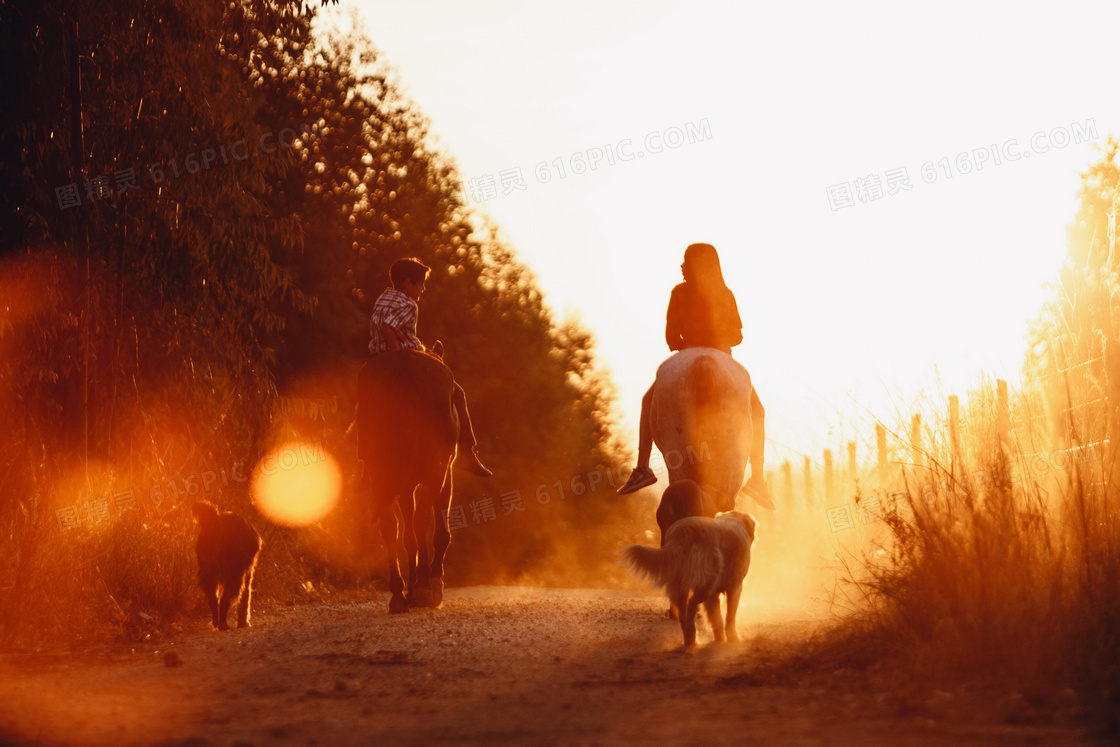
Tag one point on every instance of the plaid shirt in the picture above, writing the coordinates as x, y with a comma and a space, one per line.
399, 312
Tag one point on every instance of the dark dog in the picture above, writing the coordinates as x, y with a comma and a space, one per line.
227, 552
701, 559
681, 500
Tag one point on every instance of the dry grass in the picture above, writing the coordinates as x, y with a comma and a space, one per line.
992, 572
131, 576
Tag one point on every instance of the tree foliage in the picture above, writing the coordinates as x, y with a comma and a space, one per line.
1075, 343
373, 187
244, 184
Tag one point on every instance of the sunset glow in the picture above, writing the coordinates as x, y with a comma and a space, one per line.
848, 307
296, 484
383, 372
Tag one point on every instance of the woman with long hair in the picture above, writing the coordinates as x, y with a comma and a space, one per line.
702, 313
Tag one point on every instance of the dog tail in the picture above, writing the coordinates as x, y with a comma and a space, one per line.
647, 562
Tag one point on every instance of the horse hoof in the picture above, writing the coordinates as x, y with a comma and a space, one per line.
421, 597
397, 605
437, 592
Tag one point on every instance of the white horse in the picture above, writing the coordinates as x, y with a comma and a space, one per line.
700, 419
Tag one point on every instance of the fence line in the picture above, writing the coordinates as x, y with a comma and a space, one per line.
885, 473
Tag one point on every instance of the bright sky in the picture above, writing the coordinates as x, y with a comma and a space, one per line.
846, 309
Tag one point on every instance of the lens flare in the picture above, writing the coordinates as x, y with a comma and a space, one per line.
296, 484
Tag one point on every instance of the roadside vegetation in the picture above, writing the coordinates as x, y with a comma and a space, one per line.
191, 242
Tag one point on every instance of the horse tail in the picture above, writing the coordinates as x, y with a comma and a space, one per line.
705, 381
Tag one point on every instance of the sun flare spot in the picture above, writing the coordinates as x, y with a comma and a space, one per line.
296, 484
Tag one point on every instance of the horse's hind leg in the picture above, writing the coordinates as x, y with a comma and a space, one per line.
388, 523
441, 539
407, 505
419, 590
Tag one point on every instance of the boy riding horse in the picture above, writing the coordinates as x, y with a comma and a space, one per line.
392, 326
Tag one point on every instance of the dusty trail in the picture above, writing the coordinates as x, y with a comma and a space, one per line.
496, 664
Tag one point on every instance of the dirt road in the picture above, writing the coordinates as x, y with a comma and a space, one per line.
495, 664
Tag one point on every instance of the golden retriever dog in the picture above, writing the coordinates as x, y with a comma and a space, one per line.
680, 500
227, 552
701, 558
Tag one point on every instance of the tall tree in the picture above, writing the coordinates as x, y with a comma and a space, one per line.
372, 187
200, 204
136, 285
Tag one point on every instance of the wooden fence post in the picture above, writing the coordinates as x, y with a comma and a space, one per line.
916, 440
1112, 434
808, 483
787, 484
1003, 419
884, 465
853, 468
828, 476
955, 428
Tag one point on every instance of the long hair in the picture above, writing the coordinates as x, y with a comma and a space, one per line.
701, 266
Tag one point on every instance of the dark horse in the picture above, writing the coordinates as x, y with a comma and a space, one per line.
681, 500
407, 431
